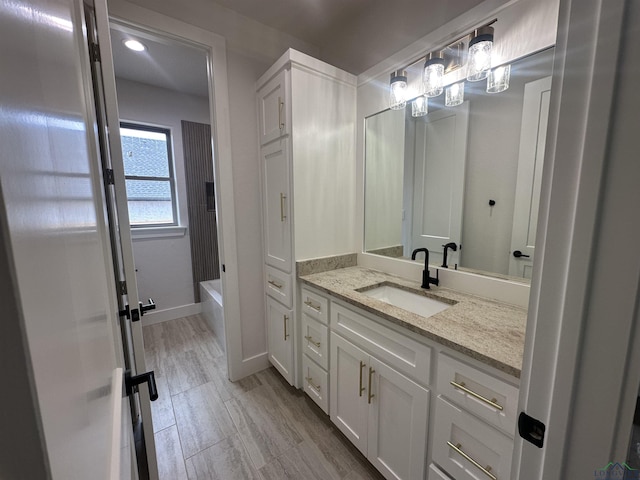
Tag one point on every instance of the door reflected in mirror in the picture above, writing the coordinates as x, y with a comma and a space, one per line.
469, 175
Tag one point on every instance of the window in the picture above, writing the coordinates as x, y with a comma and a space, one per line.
148, 172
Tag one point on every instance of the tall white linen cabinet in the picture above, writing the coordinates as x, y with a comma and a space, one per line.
307, 115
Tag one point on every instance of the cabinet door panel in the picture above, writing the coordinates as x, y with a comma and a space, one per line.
348, 390
276, 201
272, 106
280, 332
398, 417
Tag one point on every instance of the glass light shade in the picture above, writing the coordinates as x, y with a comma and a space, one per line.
398, 91
419, 107
479, 60
454, 94
498, 79
432, 77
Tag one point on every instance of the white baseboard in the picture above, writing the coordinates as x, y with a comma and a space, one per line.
171, 314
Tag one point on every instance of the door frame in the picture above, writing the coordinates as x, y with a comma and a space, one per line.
215, 47
581, 393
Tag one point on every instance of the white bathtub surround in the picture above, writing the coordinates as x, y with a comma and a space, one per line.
212, 310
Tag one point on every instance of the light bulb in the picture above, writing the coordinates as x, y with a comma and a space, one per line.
134, 45
480, 47
432, 76
454, 95
419, 107
398, 90
498, 79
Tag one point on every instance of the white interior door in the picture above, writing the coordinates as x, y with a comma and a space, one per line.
438, 185
124, 265
59, 314
533, 137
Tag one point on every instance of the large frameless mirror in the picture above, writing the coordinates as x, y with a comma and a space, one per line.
467, 176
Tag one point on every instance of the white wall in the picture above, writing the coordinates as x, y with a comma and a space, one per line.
385, 154
243, 73
164, 264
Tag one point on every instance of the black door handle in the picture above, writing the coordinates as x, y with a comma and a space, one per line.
132, 381
518, 254
145, 308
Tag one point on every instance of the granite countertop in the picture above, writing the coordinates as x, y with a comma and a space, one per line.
486, 330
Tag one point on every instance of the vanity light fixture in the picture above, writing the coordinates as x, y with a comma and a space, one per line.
498, 79
419, 106
432, 74
454, 95
479, 59
398, 90
134, 45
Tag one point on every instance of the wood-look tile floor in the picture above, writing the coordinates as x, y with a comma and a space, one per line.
207, 427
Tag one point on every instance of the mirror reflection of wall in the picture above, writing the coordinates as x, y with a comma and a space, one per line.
495, 209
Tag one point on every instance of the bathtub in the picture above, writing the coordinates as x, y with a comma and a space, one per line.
211, 301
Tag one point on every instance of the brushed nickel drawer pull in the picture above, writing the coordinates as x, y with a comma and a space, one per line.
492, 402
310, 382
280, 107
310, 304
371, 395
286, 335
283, 197
360, 387
277, 285
486, 470
310, 339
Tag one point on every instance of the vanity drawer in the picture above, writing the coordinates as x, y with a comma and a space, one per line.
316, 383
315, 340
278, 285
484, 395
436, 474
468, 448
315, 305
398, 351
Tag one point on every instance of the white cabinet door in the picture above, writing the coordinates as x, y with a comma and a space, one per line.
280, 332
272, 107
348, 390
398, 417
276, 201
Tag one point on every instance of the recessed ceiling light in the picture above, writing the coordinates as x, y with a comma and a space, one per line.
134, 45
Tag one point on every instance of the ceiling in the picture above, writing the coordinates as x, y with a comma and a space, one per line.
165, 63
353, 35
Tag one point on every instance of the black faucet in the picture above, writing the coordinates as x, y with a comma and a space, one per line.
426, 276
452, 246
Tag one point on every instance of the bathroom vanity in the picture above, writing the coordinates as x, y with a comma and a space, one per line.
418, 396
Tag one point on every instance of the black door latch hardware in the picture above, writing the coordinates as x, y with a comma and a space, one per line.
149, 306
132, 381
531, 430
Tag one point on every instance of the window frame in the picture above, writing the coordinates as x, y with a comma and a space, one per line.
172, 179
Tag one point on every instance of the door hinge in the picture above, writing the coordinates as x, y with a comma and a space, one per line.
531, 429
108, 176
224, 268
122, 286
125, 312
94, 52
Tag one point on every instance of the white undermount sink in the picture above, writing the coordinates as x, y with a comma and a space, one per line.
398, 297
